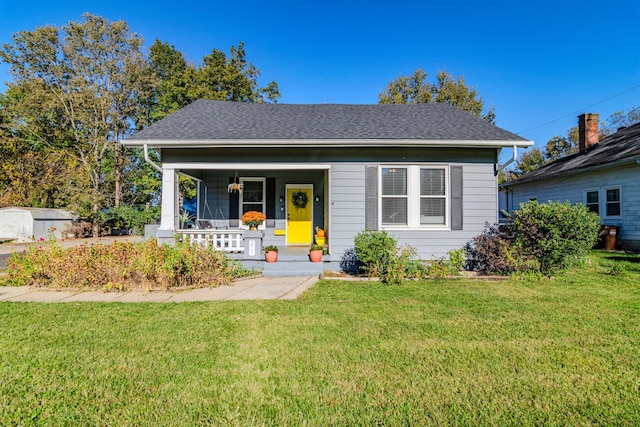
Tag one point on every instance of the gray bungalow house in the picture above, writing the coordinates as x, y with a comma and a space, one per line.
604, 175
426, 173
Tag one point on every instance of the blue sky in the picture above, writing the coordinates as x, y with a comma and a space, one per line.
540, 64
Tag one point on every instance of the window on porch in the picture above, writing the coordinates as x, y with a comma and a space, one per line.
252, 198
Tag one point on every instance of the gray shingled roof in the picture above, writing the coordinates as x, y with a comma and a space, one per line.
215, 121
618, 148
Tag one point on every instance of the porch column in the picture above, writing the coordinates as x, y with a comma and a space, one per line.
169, 213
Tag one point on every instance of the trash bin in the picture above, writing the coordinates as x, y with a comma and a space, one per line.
610, 237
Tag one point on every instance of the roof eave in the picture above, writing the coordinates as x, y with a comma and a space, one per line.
328, 143
630, 160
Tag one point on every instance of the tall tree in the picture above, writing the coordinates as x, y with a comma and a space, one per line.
220, 77
557, 147
34, 172
530, 160
416, 89
88, 78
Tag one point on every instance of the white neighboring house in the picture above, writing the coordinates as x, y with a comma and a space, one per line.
28, 224
604, 175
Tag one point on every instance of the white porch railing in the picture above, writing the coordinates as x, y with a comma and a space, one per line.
222, 240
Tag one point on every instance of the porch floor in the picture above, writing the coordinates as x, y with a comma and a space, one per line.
292, 261
293, 253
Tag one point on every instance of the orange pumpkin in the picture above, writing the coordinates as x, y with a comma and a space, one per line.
319, 232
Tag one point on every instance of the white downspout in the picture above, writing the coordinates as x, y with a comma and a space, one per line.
148, 160
513, 159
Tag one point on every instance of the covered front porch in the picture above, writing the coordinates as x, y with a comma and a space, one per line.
293, 197
292, 260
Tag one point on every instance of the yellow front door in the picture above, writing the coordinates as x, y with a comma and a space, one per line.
299, 218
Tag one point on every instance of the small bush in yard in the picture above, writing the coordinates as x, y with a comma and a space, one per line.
555, 234
403, 265
491, 252
543, 237
457, 259
129, 217
121, 266
443, 267
349, 262
374, 249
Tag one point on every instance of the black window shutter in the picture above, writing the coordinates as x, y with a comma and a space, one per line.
234, 206
456, 198
371, 197
271, 202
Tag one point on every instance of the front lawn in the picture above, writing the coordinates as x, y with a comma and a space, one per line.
564, 351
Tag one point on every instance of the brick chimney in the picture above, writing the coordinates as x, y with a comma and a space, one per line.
587, 131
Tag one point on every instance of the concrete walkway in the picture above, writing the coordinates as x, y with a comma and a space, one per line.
257, 288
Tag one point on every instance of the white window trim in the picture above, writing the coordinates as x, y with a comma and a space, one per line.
264, 201
606, 203
413, 197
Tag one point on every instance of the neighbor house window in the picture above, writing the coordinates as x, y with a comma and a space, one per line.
593, 203
414, 196
613, 202
252, 196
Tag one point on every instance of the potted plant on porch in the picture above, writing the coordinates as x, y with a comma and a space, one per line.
315, 253
253, 219
320, 236
271, 253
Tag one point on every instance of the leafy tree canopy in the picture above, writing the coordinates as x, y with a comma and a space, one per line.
220, 77
78, 89
416, 89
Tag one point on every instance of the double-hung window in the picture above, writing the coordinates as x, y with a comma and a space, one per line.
414, 196
252, 196
593, 201
613, 201
395, 196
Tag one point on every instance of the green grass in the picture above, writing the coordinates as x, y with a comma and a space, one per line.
564, 351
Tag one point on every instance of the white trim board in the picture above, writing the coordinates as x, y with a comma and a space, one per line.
246, 166
261, 143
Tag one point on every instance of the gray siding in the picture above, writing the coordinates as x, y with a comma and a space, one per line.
346, 206
573, 188
347, 199
346, 196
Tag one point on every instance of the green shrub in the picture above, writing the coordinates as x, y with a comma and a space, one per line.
491, 252
120, 266
129, 217
457, 259
374, 249
402, 265
542, 238
555, 234
349, 262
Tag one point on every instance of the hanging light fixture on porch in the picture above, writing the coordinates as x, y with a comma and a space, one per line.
235, 186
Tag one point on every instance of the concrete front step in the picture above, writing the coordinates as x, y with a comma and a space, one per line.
293, 268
